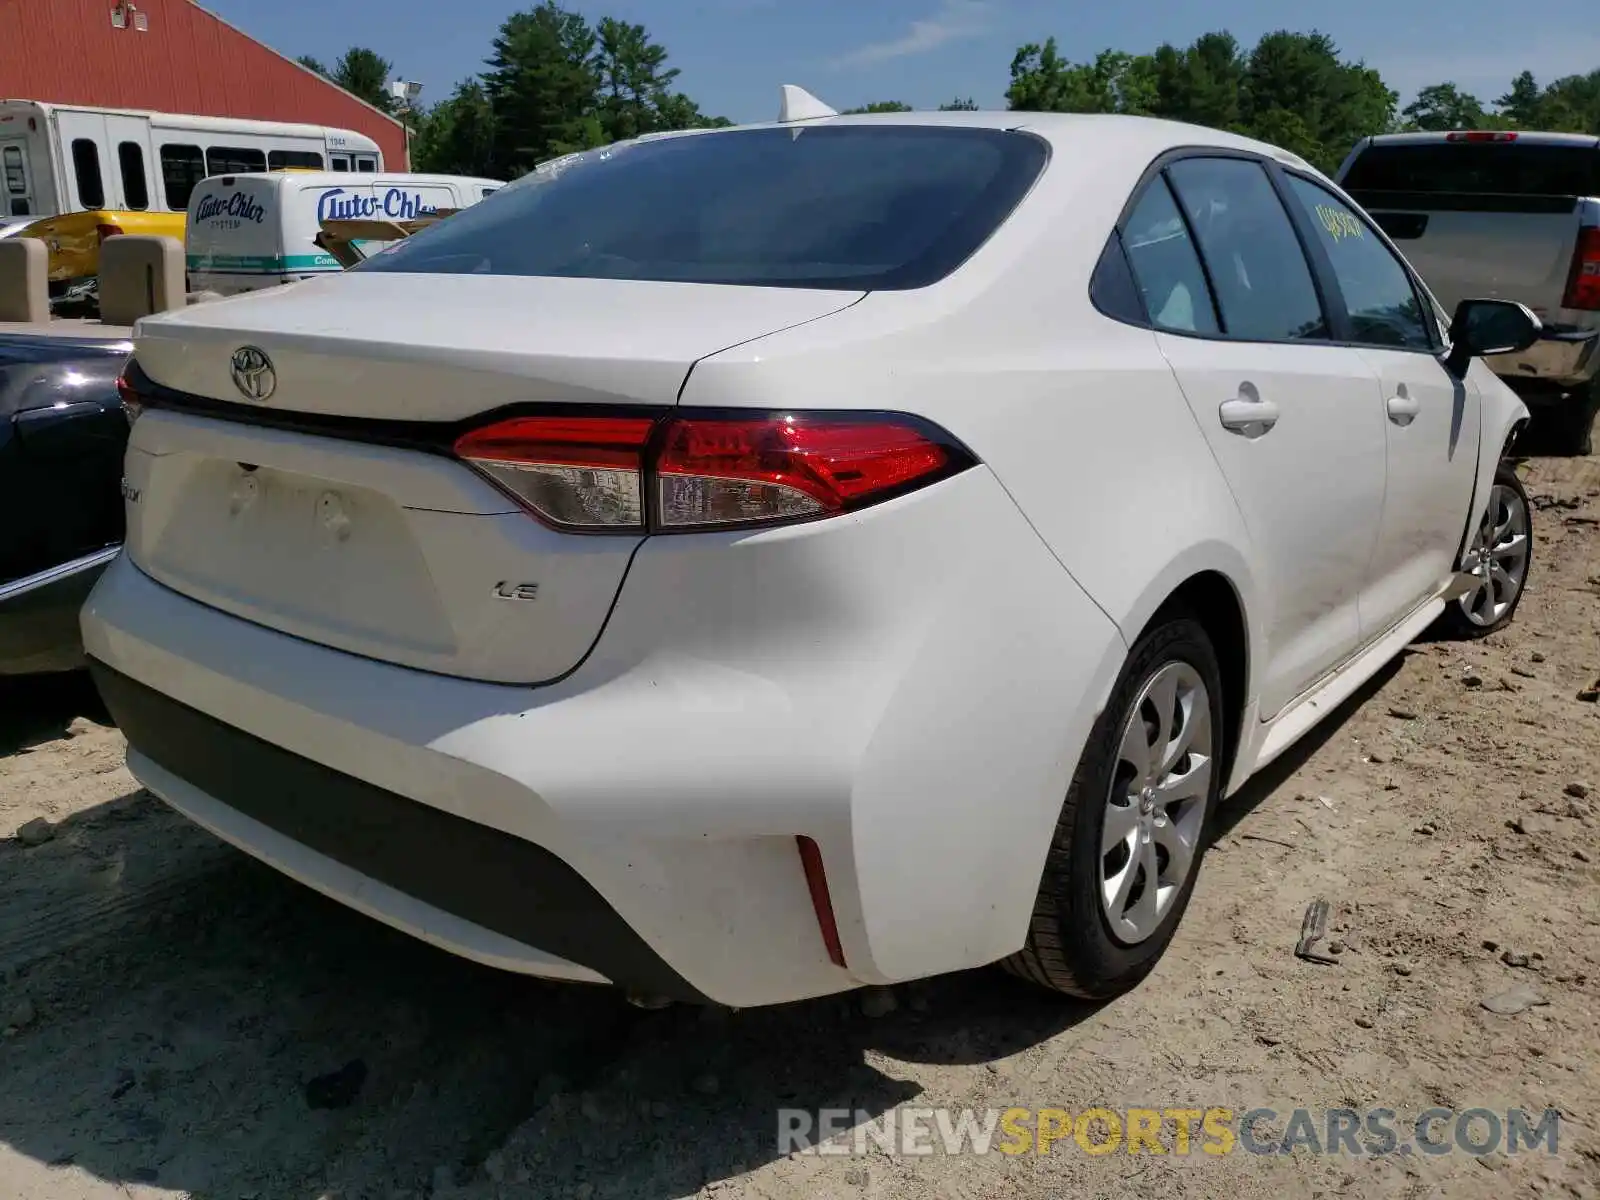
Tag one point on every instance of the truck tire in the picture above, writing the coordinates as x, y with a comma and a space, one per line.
1575, 424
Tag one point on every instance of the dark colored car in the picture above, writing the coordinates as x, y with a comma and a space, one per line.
62, 437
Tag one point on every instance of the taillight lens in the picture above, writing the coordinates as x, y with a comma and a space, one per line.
1583, 287
573, 472
696, 471
1481, 135
108, 231
738, 470
132, 404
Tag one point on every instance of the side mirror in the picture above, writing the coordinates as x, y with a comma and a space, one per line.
1482, 327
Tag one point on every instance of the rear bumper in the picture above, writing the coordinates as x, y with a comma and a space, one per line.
486, 878
39, 616
1567, 357
909, 687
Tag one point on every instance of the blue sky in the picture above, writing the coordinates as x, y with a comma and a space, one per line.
735, 53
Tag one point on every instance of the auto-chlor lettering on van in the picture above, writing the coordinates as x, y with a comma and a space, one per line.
247, 232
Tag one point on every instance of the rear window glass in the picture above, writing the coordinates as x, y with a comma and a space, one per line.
857, 207
1482, 168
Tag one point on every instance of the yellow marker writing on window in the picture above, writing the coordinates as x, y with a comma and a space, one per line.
1340, 225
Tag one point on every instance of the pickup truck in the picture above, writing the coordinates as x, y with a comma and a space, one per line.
62, 438
1506, 214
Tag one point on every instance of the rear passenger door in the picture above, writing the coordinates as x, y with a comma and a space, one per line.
1432, 419
1293, 420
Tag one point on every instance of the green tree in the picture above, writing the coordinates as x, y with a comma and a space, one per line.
457, 136
959, 104
1521, 103
1571, 104
881, 106
313, 64
543, 89
1201, 83
633, 78
1336, 103
1444, 106
364, 74
1043, 81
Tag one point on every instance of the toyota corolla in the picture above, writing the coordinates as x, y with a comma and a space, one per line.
749, 565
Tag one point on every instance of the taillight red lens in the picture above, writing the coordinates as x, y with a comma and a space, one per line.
705, 470
573, 472
1481, 135
739, 470
1583, 286
132, 403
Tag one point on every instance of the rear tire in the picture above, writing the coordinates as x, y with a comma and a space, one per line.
1096, 929
1498, 558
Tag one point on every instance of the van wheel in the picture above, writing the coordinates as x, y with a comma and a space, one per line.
1128, 843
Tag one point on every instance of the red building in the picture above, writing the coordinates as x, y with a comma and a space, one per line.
170, 56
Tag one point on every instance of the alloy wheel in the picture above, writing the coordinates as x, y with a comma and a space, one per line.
1497, 558
1155, 811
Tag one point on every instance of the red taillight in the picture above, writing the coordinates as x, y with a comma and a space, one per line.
700, 471
132, 402
108, 231
1481, 135
736, 470
1583, 285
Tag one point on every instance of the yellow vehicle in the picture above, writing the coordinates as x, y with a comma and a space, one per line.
88, 174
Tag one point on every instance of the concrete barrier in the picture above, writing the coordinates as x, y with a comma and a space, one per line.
24, 280
138, 276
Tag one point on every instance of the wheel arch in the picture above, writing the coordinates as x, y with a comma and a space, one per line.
1212, 598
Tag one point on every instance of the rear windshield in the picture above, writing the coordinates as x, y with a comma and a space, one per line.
1476, 168
856, 207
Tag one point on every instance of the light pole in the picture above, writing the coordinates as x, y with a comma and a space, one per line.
405, 93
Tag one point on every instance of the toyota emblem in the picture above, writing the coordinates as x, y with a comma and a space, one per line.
253, 374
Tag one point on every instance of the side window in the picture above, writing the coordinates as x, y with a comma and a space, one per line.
181, 168
1263, 283
230, 160
86, 167
16, 176
1166, 266
1384, 308
279, 160
366, 164
339, 162
135, 189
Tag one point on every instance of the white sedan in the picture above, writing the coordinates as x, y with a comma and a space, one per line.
746, 566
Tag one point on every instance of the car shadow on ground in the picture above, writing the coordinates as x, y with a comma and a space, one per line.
186, 1018
40, 708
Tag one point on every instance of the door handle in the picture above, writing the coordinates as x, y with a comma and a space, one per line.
1248, 418
1403, 409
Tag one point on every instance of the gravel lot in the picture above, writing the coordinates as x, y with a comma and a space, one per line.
179, 1021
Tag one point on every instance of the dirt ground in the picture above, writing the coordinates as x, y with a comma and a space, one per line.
179, 1021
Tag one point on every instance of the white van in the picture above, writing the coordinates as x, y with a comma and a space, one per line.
247, 232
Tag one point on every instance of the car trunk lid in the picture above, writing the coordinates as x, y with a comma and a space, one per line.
330, 508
